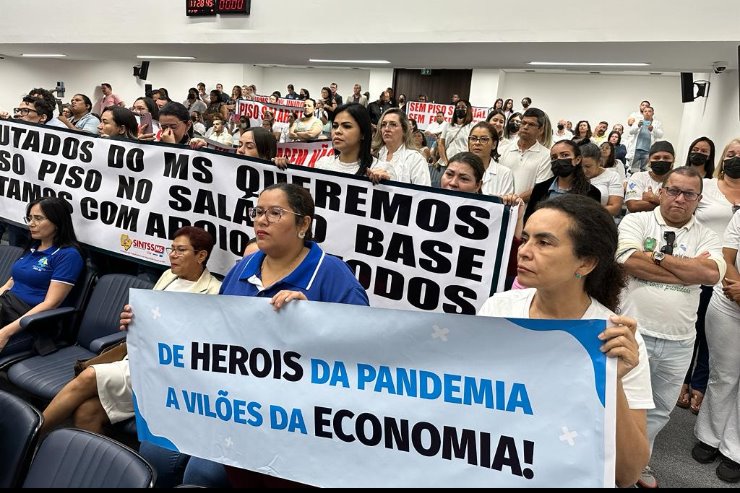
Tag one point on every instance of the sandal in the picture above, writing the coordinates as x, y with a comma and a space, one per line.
696, 398
684, 398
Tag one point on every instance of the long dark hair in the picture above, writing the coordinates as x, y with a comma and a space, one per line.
59, 212
580, 184
151, 106
300, 201
610, 160
264, 141
360, 115
124, 117
594, 235
709, 165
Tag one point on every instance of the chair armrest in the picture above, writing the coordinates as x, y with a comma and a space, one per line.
101, 343
45, 318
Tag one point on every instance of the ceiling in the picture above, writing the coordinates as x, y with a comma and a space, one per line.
662, 56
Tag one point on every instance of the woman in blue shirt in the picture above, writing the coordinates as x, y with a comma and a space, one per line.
43, 277
288, 266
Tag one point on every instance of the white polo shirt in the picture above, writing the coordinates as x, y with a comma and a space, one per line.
664, 311
636, 384
529, 167
639, 183
497, 180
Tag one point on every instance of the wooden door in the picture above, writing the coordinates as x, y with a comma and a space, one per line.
438, 87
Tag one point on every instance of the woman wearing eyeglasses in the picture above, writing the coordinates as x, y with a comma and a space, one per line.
397, 154
483, 142
45, 274
102, 394
288, 267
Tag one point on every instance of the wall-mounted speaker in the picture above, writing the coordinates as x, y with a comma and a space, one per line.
687, 87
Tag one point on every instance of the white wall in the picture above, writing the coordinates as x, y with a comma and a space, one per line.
380, 80
313, 79
715, 116
596, 97
484, 86
164, 21
19, 76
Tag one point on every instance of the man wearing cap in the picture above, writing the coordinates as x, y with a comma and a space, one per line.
668, 256
642, 188
644, 133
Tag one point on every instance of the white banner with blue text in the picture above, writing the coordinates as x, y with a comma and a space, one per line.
344, 396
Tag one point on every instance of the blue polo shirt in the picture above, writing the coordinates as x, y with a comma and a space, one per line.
34, 271
319, 276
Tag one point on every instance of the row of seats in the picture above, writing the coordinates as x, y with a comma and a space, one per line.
85, 324
66, 458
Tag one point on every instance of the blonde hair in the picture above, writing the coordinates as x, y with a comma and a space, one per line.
719, 173
408, 136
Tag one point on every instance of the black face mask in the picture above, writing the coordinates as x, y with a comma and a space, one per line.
731, 167
512, 126
660, 167
561, 126
698, 159
562, 167
460, 113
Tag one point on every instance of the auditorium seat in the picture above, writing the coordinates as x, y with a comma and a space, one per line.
71, 458
19, 427
44, 376
55, 328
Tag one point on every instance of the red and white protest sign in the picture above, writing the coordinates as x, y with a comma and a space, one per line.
305, 153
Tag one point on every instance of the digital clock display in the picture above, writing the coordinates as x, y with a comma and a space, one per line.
234, 6
200, 7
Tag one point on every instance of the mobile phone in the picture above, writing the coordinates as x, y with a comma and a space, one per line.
145, 119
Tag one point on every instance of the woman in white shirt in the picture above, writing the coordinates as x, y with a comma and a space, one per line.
567, 261
396, 152
605, 179
351, 133
483, 142
455, 138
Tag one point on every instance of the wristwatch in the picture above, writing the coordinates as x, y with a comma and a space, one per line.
658, 257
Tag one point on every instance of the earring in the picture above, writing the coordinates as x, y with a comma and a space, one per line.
301, 234
578, 276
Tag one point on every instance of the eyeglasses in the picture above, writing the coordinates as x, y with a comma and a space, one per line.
675, 192
389, 125
178, 252
24, 111
670, 238
34, 219
272, 214
524, 124
482, 140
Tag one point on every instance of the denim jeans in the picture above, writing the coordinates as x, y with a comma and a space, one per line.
669, 361
639, 162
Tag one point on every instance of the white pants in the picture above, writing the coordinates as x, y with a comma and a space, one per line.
669, 362
718, 423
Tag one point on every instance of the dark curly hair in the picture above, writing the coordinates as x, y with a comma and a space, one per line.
594, 235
